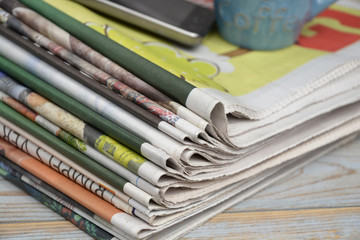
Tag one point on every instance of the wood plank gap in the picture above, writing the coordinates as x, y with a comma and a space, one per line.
292, 209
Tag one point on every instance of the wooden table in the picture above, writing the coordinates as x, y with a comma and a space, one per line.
320, 201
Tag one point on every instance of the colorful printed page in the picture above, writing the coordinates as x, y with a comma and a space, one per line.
220, 65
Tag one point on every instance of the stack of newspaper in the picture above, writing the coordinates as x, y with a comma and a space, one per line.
146, 140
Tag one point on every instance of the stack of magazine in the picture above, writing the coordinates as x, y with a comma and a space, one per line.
142, 139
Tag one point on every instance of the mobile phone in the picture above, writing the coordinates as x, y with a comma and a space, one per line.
178, 20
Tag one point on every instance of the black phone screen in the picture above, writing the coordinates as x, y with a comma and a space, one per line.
175, 12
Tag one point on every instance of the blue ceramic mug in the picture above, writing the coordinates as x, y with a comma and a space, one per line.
265, 24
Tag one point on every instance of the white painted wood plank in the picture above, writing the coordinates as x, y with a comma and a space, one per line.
17, 206
329, 223
25, 209
333, 180
42, 230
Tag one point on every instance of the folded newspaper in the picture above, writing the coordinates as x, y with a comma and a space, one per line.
228, 123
